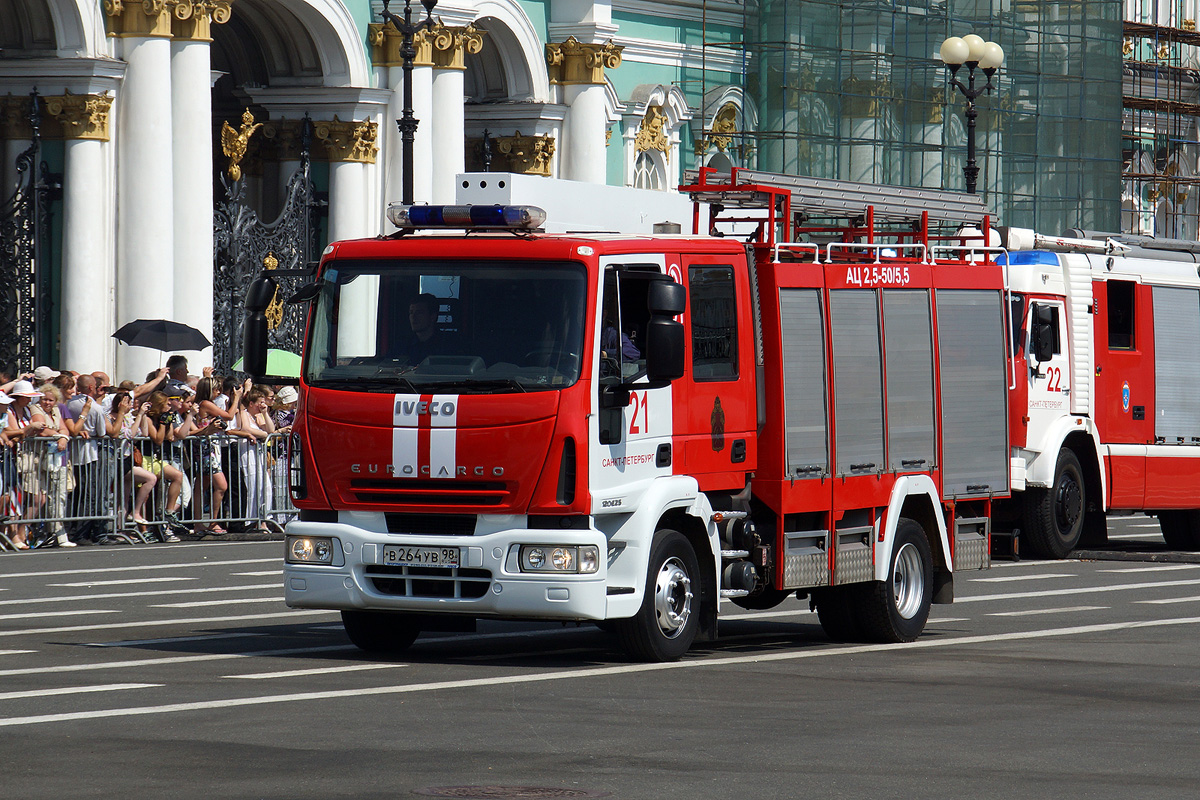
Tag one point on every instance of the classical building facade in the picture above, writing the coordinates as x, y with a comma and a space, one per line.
136, 99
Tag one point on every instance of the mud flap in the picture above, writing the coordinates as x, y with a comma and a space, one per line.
943, 587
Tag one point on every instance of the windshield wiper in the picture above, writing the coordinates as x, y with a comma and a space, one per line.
488, 383
367, 382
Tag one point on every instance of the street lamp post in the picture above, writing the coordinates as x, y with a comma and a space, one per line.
407, 123
975, 53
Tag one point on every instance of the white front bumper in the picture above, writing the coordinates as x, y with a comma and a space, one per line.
487, 569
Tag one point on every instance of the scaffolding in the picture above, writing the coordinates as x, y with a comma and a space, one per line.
853, 90
1160, 193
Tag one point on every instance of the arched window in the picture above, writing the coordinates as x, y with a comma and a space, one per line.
647, 174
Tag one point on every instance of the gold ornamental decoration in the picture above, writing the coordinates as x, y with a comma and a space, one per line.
234, 143
274, 312
576, 62
347, 141
528, 155
652, 134
451, 44
82, 116
723, 127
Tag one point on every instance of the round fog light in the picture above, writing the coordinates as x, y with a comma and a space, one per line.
536, 557
302, 549
563, 559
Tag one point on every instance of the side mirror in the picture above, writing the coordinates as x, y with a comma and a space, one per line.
664, 334
305, 293
254, 335
1041, 334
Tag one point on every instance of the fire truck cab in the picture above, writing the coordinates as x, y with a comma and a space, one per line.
1106, 414
631, 430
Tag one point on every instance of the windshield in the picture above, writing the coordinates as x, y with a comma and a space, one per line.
417, 326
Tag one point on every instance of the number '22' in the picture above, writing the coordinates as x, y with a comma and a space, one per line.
1054, 379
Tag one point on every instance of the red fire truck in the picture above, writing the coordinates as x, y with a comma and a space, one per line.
630, 430
1106, 413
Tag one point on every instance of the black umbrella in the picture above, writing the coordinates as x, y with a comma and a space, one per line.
162, 334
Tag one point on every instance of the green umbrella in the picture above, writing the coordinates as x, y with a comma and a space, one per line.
279, 362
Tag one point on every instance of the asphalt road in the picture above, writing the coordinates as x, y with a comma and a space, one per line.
176, 671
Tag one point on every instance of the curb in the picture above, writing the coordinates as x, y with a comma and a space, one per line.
1161, 557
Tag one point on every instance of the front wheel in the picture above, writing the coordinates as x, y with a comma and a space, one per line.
1054, 517
666, 624
896, 610
1180, 529
380, 631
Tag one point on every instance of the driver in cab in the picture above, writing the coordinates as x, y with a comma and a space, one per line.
425, 339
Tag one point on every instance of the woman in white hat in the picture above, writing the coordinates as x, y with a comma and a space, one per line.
21, 425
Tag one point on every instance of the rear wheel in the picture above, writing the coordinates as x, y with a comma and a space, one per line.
896, 610
380, 631
1180, 529
665, 626
1054, 517
837, 609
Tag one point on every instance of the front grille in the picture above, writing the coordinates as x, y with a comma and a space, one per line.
457, 584
408, 491
437, 524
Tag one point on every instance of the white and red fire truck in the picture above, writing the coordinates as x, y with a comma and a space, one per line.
1105, 414
631, 429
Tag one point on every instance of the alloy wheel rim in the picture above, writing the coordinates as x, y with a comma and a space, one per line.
672, 598
908, 581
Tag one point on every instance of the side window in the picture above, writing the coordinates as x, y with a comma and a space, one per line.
625, 315
1120, 315
714, 323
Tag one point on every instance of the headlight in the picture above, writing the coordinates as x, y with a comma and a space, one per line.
560, 558
309, 550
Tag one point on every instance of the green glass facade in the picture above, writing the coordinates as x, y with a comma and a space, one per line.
855, 91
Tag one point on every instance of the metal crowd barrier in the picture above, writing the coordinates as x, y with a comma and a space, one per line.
135, 492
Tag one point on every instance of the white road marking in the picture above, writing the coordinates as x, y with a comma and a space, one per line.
226, 602
621, 669
43, 614
1005, 564
1036, 611
114, 569
1080, 590
110, 687
190, 591
1023, 577
188, 659
124, 581
15, 652
260, 574
1129, 536
1165, 568
296, 673
948, 619
1170, 601
149, 623
174, 639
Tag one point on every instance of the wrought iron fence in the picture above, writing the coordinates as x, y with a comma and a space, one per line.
24, 230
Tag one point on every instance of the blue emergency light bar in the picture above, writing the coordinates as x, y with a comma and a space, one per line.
467, 217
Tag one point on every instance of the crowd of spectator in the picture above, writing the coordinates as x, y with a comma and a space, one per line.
177, 454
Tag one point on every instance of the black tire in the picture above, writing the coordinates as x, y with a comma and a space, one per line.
897, 610
379, 631
665, 626
1054, 517
837, 609
1180, 529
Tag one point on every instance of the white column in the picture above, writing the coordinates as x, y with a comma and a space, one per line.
145, 198
347, 200
449, 144
191, 121
584, 133
86, 267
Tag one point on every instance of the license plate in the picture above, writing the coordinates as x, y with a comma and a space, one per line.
398, 556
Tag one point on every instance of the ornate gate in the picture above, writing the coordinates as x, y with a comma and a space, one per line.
245, 245
24, 249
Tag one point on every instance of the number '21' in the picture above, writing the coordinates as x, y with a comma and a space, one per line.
639, 403
1054, 379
